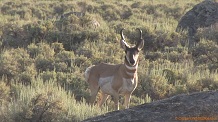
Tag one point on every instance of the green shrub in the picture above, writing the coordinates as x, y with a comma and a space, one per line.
48, 75
61, 67
46, 101
110, 12
16, 61
42, 108
43, 55
206, 53
4, 93
156, 87
58, 47
43, 63
210, 33
208, 84
37, 40
82, 61
41, 49
65, 56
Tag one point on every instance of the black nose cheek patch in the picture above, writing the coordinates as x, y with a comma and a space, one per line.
131, 56
131, 59
132, 62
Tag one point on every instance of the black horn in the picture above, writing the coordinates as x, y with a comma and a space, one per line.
140, 31
140, 43
121, 33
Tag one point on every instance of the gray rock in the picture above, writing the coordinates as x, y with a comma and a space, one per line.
201, 15
195, 106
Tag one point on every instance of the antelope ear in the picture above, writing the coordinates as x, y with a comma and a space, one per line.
140, 44
123, 44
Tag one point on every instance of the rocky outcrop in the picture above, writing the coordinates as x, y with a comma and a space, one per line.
193, 107
201, 15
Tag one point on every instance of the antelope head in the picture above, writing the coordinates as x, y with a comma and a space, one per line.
132, 52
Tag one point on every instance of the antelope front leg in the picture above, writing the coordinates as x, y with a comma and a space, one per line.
127, 100
103, 99
93, 94
93, 97
116, 101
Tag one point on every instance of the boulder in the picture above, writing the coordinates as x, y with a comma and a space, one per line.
192, 107
201, 15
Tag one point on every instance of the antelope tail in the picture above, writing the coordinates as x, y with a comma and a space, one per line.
87, 72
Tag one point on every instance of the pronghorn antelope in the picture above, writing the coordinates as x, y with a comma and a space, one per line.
116, 79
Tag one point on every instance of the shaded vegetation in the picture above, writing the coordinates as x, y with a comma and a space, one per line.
45, 47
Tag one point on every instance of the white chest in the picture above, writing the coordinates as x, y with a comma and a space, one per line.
128, 85
106, 84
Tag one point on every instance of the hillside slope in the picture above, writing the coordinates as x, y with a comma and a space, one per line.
195, 106
45, 47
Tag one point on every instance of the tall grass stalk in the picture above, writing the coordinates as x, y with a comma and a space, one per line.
75, 111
